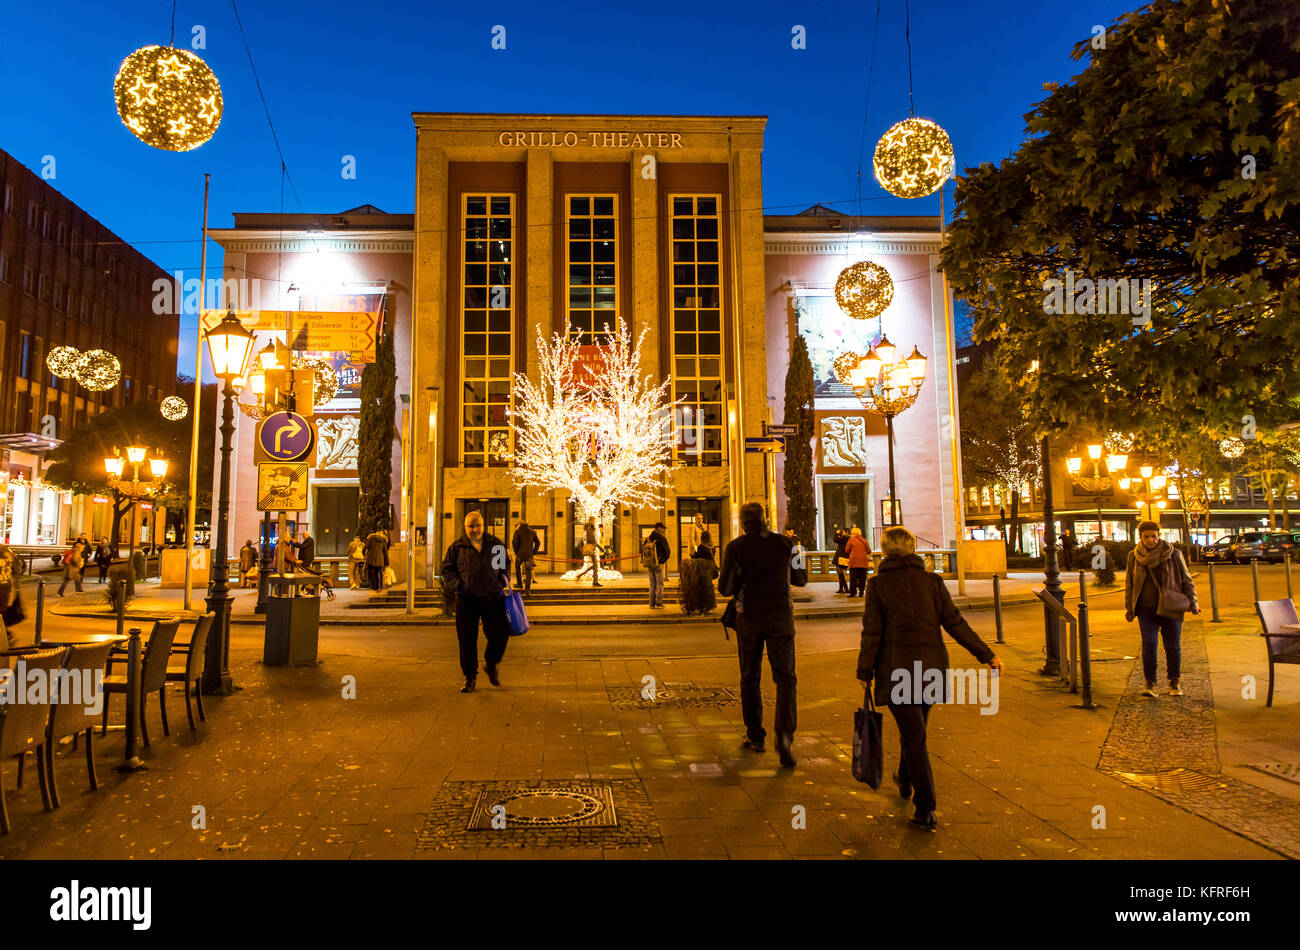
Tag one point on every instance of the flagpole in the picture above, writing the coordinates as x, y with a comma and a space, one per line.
198, 401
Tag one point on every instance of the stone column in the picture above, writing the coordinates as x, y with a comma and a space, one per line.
429, 328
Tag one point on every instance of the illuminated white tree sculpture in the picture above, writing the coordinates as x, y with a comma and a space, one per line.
593, 425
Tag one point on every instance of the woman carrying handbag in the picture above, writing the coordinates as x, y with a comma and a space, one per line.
1158, 590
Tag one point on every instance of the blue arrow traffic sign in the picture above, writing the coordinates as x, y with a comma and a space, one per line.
286, 436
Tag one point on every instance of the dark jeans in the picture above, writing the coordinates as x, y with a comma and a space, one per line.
492, 611
103, 570
1151, 624
524, 576
857, 581
914, 766
374, 576
779, 638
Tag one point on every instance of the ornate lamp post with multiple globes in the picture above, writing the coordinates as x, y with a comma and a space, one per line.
114, 465
229, 344
1096, 484
886, 385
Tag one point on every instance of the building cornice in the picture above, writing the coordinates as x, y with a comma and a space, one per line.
253, 241
841, 244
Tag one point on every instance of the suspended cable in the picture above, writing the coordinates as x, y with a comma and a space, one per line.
862, 144
907, 33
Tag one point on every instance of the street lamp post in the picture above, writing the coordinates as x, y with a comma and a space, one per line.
114, 465
1051, 570
228, 347
1096, 484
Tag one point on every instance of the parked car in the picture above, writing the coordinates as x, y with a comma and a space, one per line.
1224, 551
1278, 546
1250, 546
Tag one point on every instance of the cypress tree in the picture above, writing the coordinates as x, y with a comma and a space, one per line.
375, 439
800, 509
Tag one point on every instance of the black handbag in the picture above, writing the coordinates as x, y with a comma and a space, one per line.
729, 617
868, 750
14, 613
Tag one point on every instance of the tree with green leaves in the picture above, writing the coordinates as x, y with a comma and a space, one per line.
375, 435
1170, 170
800, 505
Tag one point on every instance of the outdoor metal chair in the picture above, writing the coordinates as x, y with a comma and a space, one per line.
192, 670
24, 725
1283, 645
153, 676
72, 714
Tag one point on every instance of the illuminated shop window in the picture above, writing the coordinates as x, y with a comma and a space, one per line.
487, 319
697, 328
591, 259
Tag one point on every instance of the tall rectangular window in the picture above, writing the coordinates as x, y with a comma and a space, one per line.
591, 261
487, 324
697, 328
25, 355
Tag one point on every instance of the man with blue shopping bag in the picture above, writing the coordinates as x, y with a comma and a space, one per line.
477, 571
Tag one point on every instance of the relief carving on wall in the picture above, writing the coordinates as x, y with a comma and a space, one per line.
336, 445
843, 442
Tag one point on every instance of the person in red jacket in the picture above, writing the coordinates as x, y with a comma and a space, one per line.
859, 553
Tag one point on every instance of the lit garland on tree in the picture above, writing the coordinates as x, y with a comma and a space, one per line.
599, 430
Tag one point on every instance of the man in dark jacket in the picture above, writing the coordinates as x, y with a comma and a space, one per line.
905, 607
477, 570
306, 550
758, 569
658, 538
525, 543
376, 558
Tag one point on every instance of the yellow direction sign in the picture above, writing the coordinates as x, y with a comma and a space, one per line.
281, 487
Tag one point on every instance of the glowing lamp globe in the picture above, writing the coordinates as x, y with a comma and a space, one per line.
98, 370
1232, 448
168, 98
174, 408
864, 290
914, 158
62, 360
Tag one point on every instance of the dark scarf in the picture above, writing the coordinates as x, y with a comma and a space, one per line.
1157, 557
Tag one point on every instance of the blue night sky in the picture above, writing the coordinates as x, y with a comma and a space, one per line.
341, 78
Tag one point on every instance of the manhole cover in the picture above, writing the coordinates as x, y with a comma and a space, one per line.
1175, 780
543, 807
1287, 770
675, 695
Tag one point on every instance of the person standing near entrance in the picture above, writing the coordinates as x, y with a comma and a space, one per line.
247, 561
591, 549
859, 553
376, 559
842, 560
1158, 591
695, 537
654, 555
758, 569
525, 544
306, 550
477, 571
356, 562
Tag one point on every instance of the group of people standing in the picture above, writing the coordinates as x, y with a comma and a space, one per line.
80, 556
852, 561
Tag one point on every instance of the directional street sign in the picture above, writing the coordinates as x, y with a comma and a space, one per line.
765, 444
286, 437
769, 429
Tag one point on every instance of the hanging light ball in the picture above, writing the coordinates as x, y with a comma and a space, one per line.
864, 290
914, 158
1119, 443
325, 382
1232, 447
174, 408
62, 360
98, 370
844, 364
168, 98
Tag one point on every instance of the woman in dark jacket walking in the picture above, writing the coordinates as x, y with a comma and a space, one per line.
901, 639
1158, 590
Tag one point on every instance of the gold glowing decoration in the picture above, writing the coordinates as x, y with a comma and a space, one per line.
174, 408
1232, 447
914, 158
168, 98
864, 290
325, 382
98, 370
62, 360
1119, 443
844, 364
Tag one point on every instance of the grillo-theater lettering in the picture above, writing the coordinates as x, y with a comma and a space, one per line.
556, 139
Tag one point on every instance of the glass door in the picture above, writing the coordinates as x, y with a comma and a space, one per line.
844, 505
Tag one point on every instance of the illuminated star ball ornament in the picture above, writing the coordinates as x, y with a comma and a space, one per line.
914, 158
844, 364
1232, 448
98, 370
168, 98
62, 360
864, 290
174, 408
325, 382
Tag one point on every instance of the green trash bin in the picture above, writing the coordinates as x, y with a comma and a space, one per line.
292, 620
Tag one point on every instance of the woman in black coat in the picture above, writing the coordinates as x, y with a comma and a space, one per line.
905, 607
695, 588
842, 554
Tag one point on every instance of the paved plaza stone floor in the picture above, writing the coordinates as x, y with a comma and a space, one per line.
287, 767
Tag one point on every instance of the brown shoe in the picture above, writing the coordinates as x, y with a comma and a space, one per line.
1175, 688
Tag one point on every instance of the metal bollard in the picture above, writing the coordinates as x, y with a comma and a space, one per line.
1254, 576
130, 761
121, 610
40, 608
1214, 595
997, 607
1083, 588
1286, 563
1085, 655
